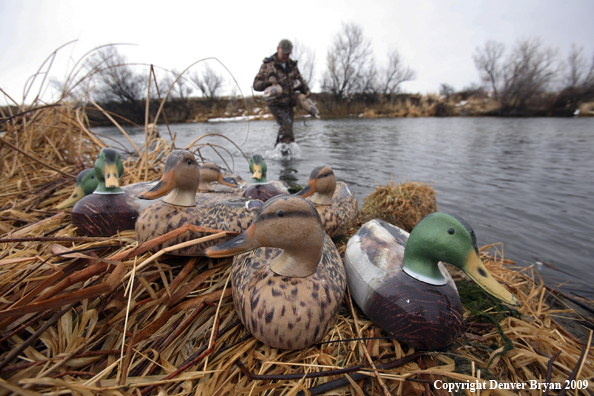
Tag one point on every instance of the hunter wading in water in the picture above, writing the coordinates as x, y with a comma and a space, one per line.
282, 74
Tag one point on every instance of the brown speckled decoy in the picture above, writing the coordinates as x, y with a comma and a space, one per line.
400, 283
108, 209
261, 188
181, 205
288, 287
212, 180
334, 201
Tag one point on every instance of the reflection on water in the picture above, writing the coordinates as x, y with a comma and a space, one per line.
526, 183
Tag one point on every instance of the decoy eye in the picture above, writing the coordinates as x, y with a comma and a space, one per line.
280, 213
189, 162
92, 177
451, 231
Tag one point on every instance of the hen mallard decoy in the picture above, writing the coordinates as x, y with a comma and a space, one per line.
334, 201
261, 188
213, 180
399, 282
107, 210
181, 205
288, 287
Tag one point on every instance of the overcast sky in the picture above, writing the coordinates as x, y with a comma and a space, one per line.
435, 38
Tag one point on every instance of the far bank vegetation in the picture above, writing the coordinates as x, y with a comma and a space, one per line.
528, 79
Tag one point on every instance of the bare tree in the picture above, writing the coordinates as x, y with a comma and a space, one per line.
579, 73
488, 62
395, 74
369, 80
528, 72
116, 80
209, 83
306, 57
180, 89
578, 83
446, 90
348, 63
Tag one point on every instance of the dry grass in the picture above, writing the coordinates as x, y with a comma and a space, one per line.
586, 109
403, 204
141, 323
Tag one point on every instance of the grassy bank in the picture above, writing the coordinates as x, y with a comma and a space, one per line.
362, 106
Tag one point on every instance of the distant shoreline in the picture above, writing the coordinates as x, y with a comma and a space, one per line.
224, 109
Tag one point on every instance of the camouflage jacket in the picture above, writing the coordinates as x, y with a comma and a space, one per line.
285, 77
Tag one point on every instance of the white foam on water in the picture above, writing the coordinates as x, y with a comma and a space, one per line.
284, 151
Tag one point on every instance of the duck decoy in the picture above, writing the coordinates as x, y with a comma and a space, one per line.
399, 282
261, 188
106, 211
308, 105
86, 183
288, 278
213, 180
181, 205
334, 201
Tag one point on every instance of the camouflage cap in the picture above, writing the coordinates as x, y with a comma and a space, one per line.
286, 46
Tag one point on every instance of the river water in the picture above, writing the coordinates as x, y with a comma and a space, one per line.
527, 183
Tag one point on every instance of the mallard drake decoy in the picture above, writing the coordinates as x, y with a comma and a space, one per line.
106, 211
86, 183
334, 201
181, 205
261, 188
400, 283
213, 180
288, 287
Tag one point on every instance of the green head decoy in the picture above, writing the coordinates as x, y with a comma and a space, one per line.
258, 168
261, 188
449, 239
86, 183
400, 283
107, 210
109, 169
